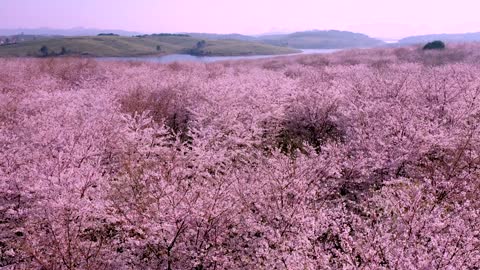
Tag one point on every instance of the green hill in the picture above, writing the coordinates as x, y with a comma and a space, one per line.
190, 43
119, 46
316, 39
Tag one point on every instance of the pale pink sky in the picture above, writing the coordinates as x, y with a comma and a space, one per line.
378, 18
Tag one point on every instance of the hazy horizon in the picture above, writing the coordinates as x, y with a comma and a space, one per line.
375, 18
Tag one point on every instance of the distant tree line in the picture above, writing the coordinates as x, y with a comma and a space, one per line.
45, 51
108, 34
198, 50
164, 35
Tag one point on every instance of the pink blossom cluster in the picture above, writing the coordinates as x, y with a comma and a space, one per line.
363, 159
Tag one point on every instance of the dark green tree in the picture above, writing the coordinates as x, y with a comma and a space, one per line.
201, 44
197, 50
434, 45
44, 50
108, 34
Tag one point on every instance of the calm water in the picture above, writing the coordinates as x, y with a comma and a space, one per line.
207, 59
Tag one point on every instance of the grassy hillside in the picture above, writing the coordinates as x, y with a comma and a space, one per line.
215, 44
22, 38
332, 39
322, 40
116, 46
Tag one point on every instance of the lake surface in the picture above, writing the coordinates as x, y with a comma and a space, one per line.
208, 59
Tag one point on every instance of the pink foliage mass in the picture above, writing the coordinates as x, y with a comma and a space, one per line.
363, 159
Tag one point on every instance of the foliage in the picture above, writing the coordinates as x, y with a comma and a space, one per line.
199, 49
382, 169
108, 34
44, 50
434, 45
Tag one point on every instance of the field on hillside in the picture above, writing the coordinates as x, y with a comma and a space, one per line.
116, 46
363, 159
